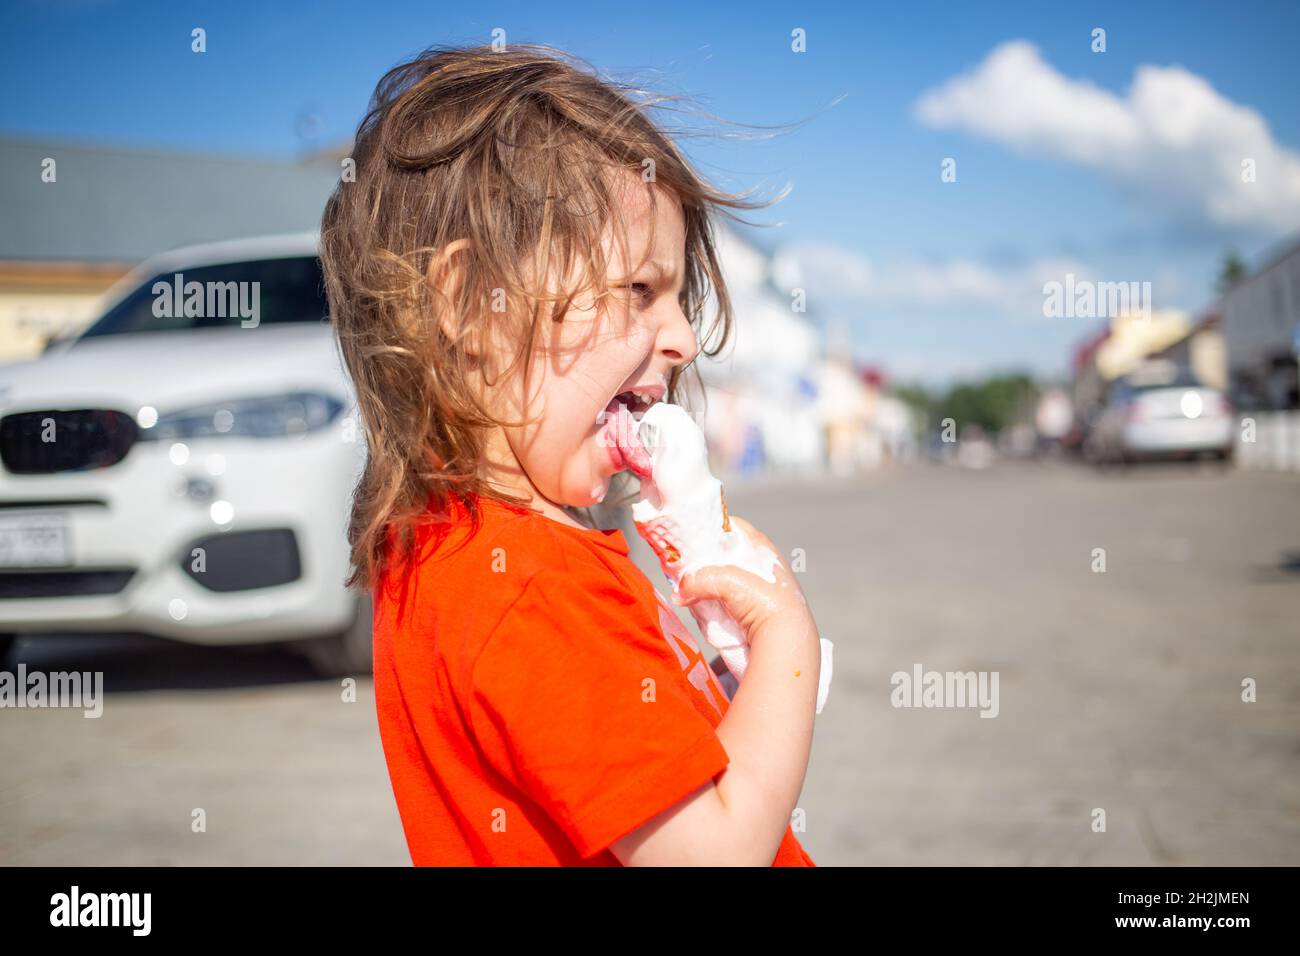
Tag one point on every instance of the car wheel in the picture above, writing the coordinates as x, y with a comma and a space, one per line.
348, 653
1223, 463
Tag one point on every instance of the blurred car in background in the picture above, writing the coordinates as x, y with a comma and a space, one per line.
1160, 412
183, 467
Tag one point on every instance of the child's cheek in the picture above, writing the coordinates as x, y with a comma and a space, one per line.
564, 459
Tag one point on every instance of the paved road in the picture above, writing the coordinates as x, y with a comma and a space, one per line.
1118, 690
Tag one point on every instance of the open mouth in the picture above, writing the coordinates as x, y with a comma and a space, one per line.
636, 402
619, 432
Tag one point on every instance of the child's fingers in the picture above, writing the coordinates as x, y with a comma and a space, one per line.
679, 595
753, 534
692, 587
750, 600
735, 588
753, 603
704, 583
750, 531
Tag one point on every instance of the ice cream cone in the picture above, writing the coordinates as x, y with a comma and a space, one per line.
682, 514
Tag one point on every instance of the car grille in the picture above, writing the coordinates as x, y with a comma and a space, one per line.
57, 584
41, 443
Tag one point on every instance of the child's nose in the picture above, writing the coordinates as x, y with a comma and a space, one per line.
677, 340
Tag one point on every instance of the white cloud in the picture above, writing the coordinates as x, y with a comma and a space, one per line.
839, 280
937, 322
1173, 138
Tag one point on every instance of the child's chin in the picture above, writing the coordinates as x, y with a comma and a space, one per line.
596, 493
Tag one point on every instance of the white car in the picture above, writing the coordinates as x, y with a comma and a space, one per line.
183, 468
1166, 416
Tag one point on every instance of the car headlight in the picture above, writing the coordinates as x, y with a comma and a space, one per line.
273, 416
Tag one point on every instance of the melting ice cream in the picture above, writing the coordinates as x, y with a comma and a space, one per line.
682, 515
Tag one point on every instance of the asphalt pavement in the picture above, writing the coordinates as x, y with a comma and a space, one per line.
1117, 691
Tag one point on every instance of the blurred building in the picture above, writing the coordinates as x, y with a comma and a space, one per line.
845, 408
78, 217
1134, 339
787, 394
866, 426
1201, 350
1261, 329
1053, 418
1088, 392
761, 391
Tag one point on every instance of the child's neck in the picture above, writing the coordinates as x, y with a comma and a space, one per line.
503, 472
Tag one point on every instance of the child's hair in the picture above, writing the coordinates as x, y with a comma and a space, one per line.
513, 151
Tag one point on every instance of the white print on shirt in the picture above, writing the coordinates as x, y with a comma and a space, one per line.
699, 673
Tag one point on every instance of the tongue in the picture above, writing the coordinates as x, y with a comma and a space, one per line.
623, 435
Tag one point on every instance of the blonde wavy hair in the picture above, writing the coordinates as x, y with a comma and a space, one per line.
511, 151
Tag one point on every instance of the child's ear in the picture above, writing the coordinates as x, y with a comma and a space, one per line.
446, 277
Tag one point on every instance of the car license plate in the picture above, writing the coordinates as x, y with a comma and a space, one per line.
35, 540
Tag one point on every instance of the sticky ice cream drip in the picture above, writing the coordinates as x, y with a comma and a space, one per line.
682, 514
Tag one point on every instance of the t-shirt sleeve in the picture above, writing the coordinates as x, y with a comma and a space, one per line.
572, 700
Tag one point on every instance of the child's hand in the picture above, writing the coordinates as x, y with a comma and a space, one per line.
739, 818
757, 606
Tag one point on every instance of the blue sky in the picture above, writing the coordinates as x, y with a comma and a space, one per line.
867, 200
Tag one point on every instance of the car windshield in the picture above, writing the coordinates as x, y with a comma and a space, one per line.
247, 294
1126, 389
1182, 380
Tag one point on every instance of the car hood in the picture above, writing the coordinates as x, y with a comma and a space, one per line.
170, 370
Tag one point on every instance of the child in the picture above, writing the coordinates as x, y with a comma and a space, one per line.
520, 250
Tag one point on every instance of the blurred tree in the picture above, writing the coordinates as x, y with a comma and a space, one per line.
916, 398
993, 404
1231, 272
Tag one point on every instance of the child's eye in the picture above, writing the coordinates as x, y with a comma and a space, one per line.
641, 290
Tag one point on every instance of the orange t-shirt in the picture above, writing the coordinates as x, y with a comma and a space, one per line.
538, 699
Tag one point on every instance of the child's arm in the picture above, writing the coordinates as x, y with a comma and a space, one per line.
739, 818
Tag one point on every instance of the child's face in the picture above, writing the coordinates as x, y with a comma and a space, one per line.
630, 339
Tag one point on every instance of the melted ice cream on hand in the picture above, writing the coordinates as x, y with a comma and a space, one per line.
682, 515
681, 510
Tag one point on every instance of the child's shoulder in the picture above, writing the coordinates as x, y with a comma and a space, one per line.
507, 540
478, 563
511, 578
